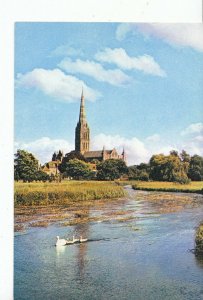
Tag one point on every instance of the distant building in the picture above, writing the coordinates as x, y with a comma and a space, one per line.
51, 167
82, 140
82, 145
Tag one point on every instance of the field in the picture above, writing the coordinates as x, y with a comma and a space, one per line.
37, 193
193, 187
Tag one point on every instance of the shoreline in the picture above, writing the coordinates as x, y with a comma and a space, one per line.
194, 187
169, 190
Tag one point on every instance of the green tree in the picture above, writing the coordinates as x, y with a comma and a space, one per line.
174, 170
69, 156
111, 169
168, 168
139, 172
157, 166
195, 171
78, 169
25, 166
41, 176
185, 158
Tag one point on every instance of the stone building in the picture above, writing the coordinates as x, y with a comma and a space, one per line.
82, 140
82, 145
51, 167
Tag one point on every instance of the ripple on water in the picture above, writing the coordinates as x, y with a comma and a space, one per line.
143, 258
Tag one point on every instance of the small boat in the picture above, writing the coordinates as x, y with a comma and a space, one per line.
82, 240
60, 242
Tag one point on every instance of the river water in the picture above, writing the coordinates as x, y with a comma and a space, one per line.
146, 257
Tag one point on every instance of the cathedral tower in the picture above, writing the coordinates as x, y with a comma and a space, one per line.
82, 131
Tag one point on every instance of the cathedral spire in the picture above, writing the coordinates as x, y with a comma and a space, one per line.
82, 131
82, 116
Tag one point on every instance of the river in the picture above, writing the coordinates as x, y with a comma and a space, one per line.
142, 257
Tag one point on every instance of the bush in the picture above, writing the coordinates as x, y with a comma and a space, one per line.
199, 240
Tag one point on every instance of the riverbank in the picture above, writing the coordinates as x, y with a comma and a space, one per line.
199, 240
49, 193
159, 186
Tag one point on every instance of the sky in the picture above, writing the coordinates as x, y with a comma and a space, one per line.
142, 85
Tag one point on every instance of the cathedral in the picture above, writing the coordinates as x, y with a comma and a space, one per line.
82, 140
82, 145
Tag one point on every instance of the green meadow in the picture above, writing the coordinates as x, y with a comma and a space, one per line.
162, 186
38, 193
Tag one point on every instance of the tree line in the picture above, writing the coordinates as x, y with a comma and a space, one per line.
174, 167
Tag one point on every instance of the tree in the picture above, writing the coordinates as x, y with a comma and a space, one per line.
41, 176
174, 152
78, 169
157, 163
25, 166
69, 156
175, 170
111, 169
139, 172
195, 171
185, 158
168, 168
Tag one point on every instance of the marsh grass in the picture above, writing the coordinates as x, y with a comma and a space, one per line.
193, 187
199, 240
36, 193
39, 224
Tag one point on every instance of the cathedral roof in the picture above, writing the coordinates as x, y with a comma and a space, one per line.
96, 154
93, 154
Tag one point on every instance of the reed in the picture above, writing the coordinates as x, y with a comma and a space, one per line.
192, 187
38, 193
199, 240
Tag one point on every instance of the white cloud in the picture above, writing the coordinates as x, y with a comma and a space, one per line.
195, 128
95, 70
141, 151
44, 147
66, 50
134, 148
153, 138
193, 146
185, 35
193, 138
118, 56
56, 84
137, 150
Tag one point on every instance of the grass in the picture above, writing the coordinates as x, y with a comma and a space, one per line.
199, 240
193, 187
37, 193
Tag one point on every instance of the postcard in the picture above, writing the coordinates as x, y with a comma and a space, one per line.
108, 160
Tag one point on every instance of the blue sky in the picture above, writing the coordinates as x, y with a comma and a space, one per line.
142, 84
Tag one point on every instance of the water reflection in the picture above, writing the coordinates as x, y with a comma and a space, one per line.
60, 250
82, 230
